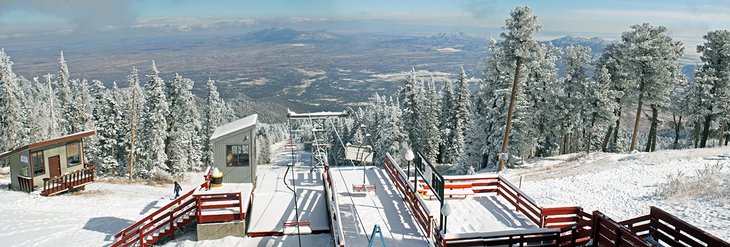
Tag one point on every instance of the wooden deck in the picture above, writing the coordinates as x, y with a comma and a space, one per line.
70, 181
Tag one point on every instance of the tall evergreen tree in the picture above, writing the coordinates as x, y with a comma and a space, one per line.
651, 58
520, 47
107, 125
64, 97
183, 144
154, 126
715, 80
13, 131
213, 117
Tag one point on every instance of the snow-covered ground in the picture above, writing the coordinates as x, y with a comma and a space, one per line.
361, 211
87, 218
624, 185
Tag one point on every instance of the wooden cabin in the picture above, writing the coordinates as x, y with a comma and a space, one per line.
55, 165
234, 150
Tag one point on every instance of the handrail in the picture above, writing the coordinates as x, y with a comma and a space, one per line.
607, 232
69, 180
667, 228
334, 208
415, 203
157, 221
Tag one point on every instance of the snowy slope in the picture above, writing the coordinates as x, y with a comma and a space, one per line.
89, 218
624, 185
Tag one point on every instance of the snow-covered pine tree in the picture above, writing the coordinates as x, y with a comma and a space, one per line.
715, 71
430, 112
39, 115
13, 132
446, 127
650, 55
213, 117
64, 97
154, 127
131, 101
410, 101
107, 124
600, 104
460, 120
541, 91
620, 83
520, 47
182, 145
489, 111
574, 95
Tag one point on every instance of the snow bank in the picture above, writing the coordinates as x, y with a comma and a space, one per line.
625, 185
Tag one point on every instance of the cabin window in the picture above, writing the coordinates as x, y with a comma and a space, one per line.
39, 165
237, 155
73, 154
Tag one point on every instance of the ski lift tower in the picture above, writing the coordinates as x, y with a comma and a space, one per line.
320, 144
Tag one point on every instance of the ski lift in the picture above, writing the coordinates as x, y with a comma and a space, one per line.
363, 154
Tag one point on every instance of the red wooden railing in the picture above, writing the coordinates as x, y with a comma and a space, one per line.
230, 204
415, 204
575, 224
162, 222
25, 184
69, 181
668, 230
206, 176
526, 237
607, 232
333, 208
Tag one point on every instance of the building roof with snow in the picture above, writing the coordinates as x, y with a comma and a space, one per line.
40, 144
234, 126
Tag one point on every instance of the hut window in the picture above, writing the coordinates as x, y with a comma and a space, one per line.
73, 154
237, 155
39, 166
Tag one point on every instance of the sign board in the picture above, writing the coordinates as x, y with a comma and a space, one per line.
359, 153
24, 159
503, 156
433, 179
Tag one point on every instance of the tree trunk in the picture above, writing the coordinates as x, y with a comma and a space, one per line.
618, 126
723, 122
590, 135
604, 144
652, 129
562, 144
677, 129
638, 115
508, 128
655, 124
568, 146
705, 130
697, 133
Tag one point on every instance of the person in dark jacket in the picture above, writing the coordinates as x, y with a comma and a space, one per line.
177, 190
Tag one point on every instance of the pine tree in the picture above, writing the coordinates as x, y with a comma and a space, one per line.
107, 124
430, 112
183, 145
715, 72
131, 101
651, 57
448, 110
574, 96
620, 83
520, 47
213, 117
410, 102
65, 97
600, 104
542, 89
39, 115
13, 132
460, 119
154, 127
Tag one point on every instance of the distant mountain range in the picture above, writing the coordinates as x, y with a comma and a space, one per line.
288, 35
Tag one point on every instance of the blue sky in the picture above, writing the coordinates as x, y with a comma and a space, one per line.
685, 19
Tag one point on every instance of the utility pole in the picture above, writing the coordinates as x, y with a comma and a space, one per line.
131, 144
509, 111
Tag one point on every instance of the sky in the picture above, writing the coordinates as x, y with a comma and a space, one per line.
685, 20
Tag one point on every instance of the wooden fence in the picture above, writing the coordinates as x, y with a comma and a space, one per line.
69, 181
668, 230
607, 232
333, 208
